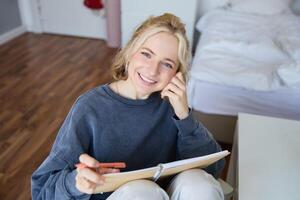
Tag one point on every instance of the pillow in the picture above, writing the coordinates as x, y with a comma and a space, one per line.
261, 7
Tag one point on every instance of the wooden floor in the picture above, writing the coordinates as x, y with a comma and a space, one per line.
40, 78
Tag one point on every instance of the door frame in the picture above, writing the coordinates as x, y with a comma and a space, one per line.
30, 15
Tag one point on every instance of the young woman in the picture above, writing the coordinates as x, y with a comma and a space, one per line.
142, 119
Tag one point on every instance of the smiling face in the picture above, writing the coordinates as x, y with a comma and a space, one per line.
153, 65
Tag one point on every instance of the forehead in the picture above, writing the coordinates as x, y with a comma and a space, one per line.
163, 44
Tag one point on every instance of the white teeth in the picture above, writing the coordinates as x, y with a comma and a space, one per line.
146, 79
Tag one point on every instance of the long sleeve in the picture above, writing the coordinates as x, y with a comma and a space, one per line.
55, 178
195, 140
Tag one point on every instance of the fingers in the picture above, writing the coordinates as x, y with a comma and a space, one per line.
107, 170
91, 176
84, 185
88, 160
176, 85
171, 87
178, 81
176, 92
87, 178
171, 95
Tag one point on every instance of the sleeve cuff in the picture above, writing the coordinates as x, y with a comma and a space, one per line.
187, 125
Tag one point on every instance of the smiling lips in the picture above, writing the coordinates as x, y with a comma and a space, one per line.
147, 80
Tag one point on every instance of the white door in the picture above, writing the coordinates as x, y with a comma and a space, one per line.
71, 17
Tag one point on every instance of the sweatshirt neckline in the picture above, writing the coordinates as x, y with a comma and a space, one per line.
128, 101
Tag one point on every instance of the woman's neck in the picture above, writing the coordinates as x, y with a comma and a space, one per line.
126, 89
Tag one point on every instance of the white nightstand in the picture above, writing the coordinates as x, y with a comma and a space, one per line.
265, 160
134, 12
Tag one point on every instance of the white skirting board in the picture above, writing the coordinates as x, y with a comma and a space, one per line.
5, 37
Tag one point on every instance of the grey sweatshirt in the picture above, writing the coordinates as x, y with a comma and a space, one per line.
110, 128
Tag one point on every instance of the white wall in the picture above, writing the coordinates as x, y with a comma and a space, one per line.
134, 12
30, 15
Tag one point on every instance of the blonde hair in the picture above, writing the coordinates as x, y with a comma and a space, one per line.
165, 23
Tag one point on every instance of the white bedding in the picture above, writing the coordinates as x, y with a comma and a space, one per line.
250, 51
226, 100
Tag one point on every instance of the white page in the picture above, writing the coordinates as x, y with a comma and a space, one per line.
191, 160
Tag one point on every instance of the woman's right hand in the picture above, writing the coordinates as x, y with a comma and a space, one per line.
87, 179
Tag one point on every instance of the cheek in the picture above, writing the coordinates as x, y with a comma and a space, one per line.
137, 58
168, 77
134, 57
134, 62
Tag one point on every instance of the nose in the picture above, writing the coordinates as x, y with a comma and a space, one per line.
154, 68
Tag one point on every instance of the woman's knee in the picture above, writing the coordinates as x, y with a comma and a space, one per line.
139, 190
195, 184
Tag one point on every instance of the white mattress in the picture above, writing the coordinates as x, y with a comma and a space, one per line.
225, 100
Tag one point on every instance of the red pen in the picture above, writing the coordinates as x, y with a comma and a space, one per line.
117, 165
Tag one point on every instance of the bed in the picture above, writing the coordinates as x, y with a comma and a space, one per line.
246, 60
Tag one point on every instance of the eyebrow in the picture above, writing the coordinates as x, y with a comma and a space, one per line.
168, 59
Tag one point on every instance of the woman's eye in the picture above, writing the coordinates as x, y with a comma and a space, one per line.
168, 65
147, 55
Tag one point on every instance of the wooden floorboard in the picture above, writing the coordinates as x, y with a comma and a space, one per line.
41, 75
40, 78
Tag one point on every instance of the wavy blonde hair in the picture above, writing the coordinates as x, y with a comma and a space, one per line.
164, 23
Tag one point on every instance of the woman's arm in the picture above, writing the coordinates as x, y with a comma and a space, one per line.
55, 178
193, 138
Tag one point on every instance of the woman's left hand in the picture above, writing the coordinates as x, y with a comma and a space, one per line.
176, 92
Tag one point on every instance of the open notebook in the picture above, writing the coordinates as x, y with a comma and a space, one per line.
115, 180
